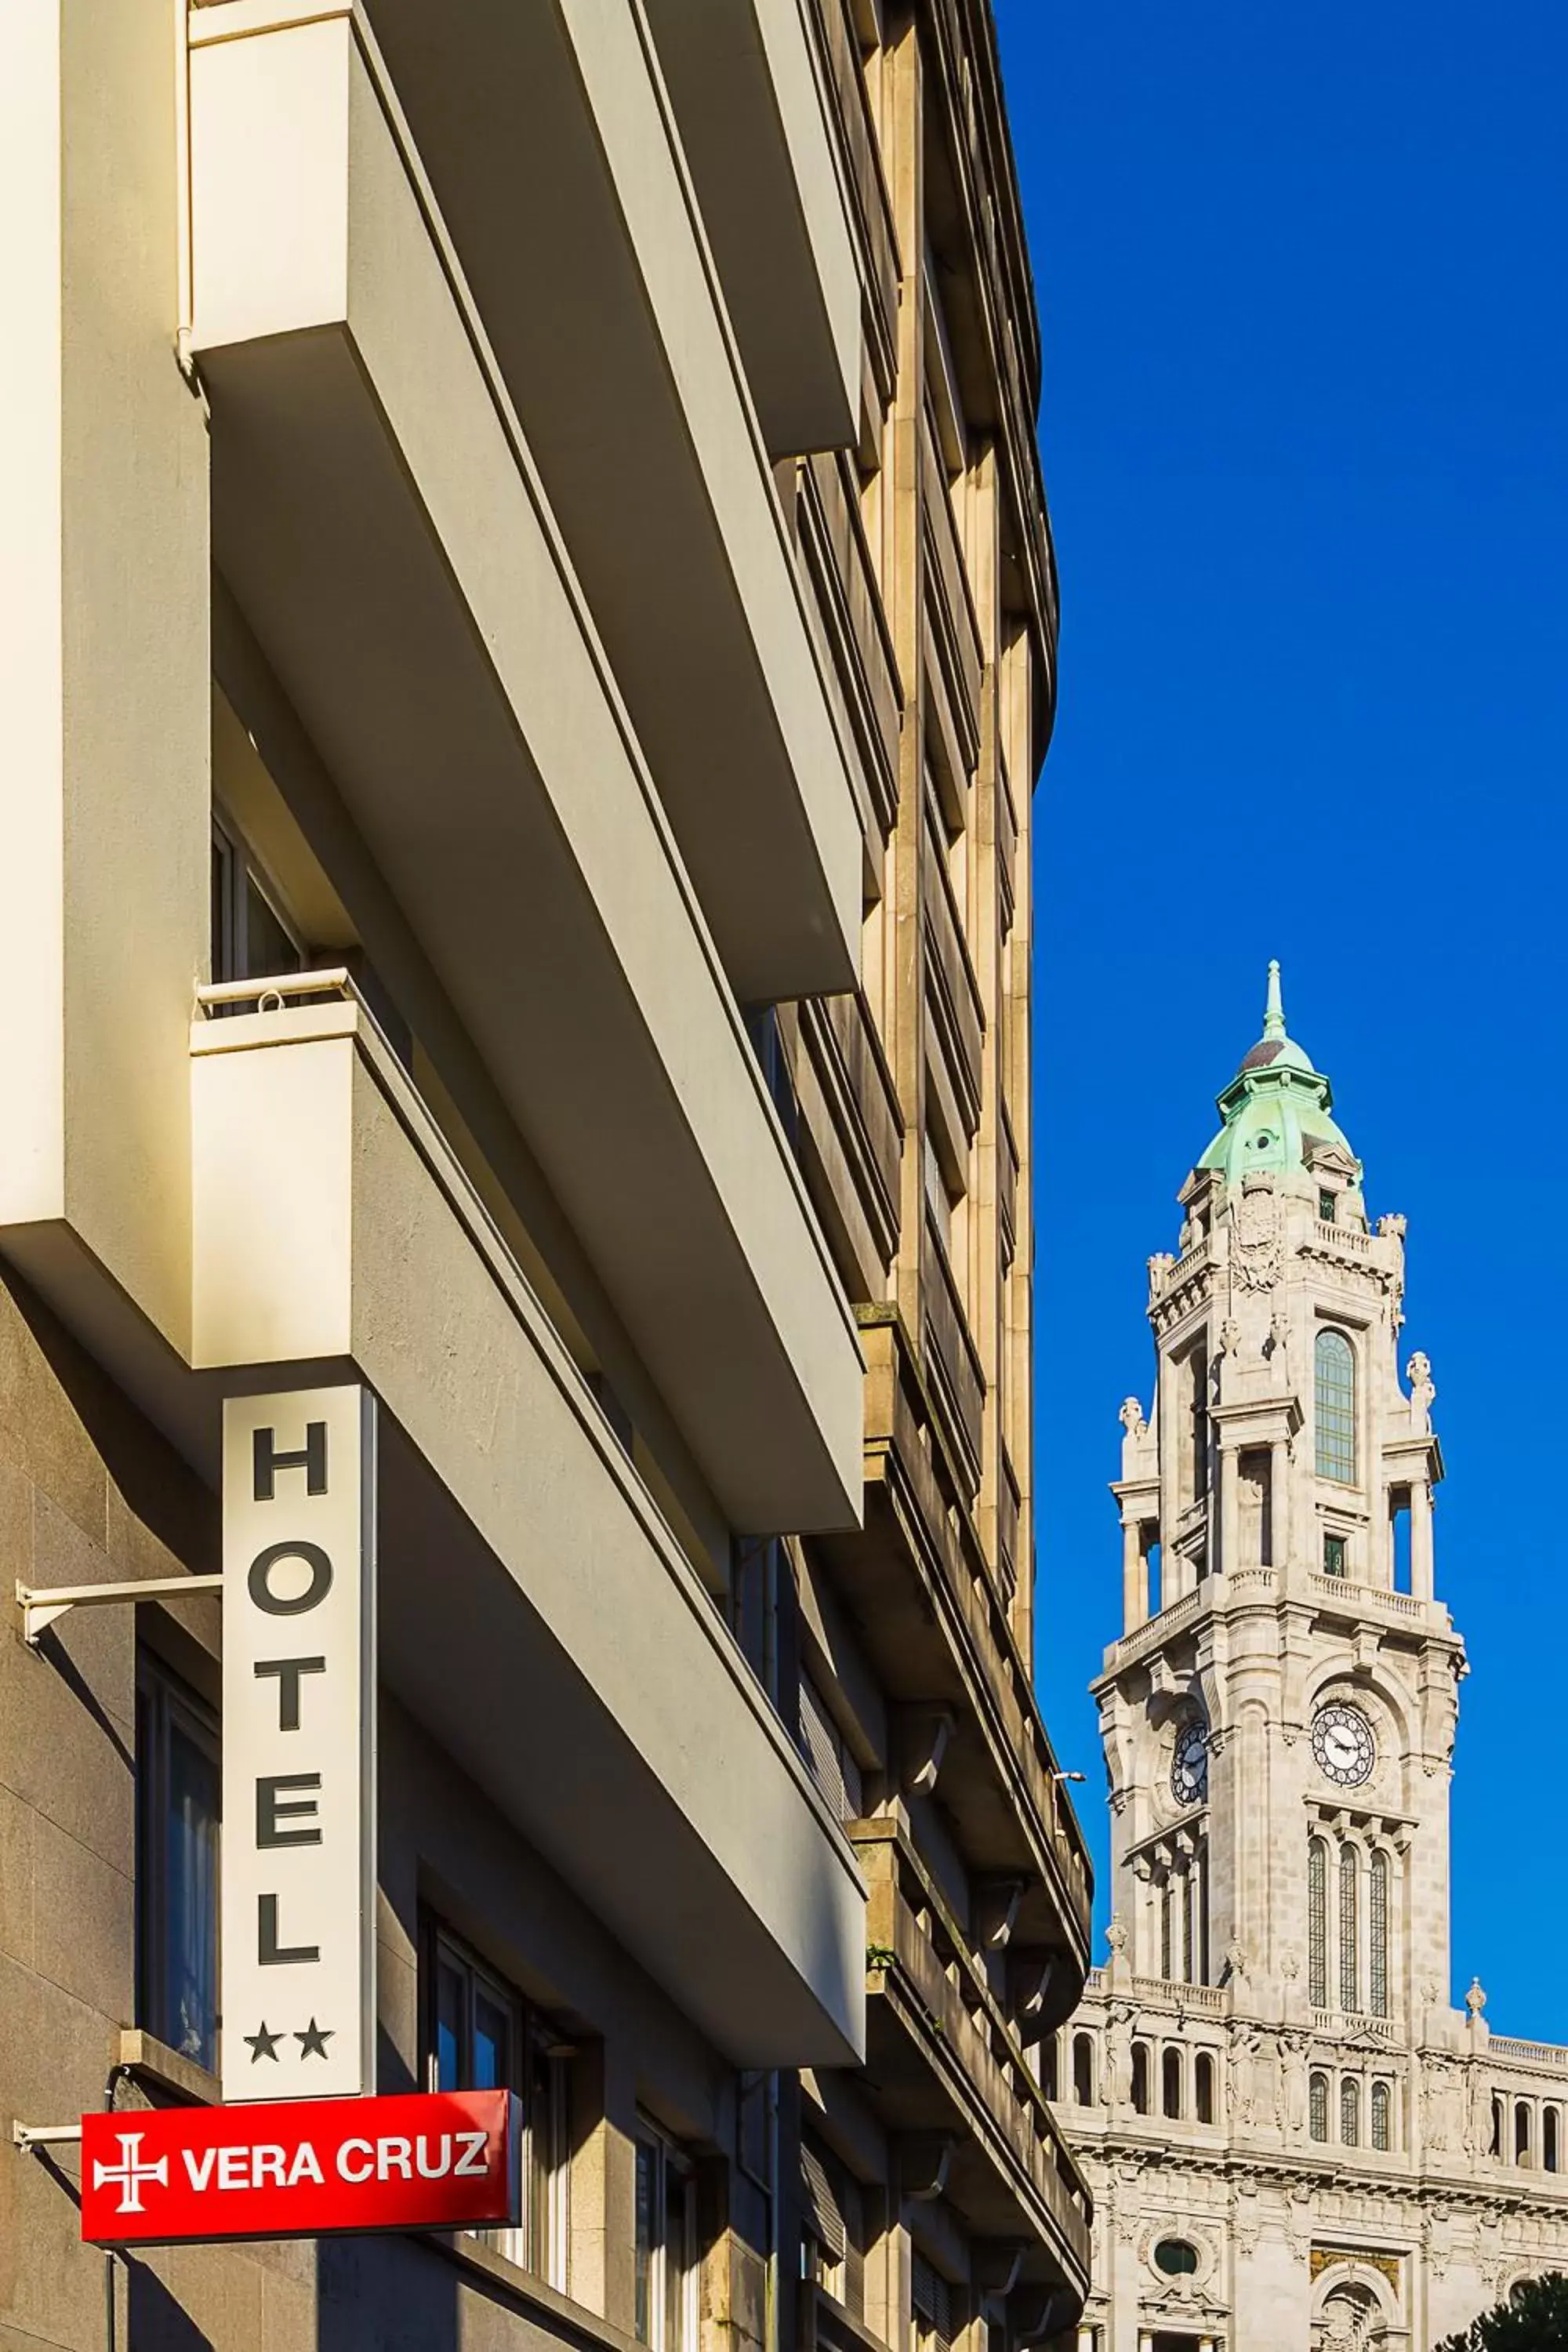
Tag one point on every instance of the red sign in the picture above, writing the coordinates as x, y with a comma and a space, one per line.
300, 2168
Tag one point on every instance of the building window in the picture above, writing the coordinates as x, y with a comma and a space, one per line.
1083, 2070
1326, 1207
178, 1784
1166, 1939
1334, 1387
1336, 1556
1380, 2134
1176, 2258
1171, 2082
1318, 2106
1548, 2131
666, 2245
1496, 2148
1203, 2087
834, 1766
1521, 2132
1350, 2111
1198, 1428
1318, 1923
1140, 2078
1050, 2067
1350, 1947
832, 2248
480, 2035
251, 939
1378, 1937
931, 2299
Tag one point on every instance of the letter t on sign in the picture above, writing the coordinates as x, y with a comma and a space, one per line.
299, 1755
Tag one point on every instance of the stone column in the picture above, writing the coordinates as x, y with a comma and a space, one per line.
1421, 1584
1280, 1503
1229, 1511
1135, 1577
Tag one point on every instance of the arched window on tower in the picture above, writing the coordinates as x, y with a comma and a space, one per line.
1377, 1952
1350, 2111
1380, 2115
1350, 1941
1171, 2082
1083, 2070
1550, 2128
1139, 2078
1334, 1395
1318, 1923
1050, 2064
1203, 2087
1318, 2106
1496, 2148
1521, 2134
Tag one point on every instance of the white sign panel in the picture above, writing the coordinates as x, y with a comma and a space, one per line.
298, 1959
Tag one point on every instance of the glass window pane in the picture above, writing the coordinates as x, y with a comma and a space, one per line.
451, 2006
675, 2191
1334, 1398
646, 2191
190, 1914
268, 946
491, 2069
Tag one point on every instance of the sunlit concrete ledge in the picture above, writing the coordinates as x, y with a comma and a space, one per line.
601, 1700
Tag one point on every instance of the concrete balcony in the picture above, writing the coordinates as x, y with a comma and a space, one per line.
752, 103
850, 1132
953, 1370
536, 1612
952, 992
945, 2065
933, 1619
379, 518
591, 272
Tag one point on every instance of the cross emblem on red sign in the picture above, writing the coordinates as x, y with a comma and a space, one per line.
128, 2175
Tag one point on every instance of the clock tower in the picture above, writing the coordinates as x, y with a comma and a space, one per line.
1278, 1713
1294, 2140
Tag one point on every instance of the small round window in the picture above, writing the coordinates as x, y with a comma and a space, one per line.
1175, 2258
1264, 1140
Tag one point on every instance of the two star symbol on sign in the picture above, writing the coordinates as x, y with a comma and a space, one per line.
313, 2041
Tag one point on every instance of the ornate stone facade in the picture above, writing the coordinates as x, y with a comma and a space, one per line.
1293, 2139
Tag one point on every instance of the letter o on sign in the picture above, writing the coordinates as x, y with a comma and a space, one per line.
289, 1605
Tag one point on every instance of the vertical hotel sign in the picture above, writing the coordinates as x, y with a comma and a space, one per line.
297, 1973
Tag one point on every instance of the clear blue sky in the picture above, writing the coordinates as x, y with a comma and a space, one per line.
1305, 430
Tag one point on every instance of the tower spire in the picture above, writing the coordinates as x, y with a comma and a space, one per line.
1274, 1009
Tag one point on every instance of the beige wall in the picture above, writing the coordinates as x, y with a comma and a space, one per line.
103, 672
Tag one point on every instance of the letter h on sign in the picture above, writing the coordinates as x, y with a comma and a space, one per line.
298, 1745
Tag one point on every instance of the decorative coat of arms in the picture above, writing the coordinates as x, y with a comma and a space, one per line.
1257, 1258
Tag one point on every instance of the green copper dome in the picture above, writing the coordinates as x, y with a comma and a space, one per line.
1277, 1108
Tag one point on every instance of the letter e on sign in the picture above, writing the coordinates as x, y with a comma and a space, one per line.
298, 1757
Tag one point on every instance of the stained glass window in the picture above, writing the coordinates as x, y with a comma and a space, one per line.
1334, 1368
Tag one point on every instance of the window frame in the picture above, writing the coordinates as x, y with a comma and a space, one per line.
667, 2162
166, 1704
237, 873
1336, 1407
538, 2242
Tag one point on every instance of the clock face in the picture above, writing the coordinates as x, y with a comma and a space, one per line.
1343, 1745
1190, 1764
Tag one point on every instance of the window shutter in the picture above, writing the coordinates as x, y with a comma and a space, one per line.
819, 1738
823, 2214
932, 2300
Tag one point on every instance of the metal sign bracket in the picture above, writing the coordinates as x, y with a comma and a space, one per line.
41, 1604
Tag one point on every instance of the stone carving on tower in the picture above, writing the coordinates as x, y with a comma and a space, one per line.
1295, 2138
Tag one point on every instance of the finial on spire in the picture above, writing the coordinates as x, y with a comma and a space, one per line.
1274, 1009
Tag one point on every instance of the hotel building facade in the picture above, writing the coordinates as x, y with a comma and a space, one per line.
528, 636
